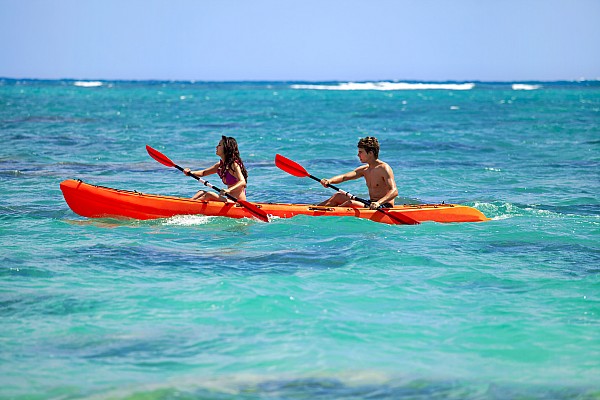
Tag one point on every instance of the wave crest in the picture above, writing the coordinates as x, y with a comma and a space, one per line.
88, 83
522, 86
386, 86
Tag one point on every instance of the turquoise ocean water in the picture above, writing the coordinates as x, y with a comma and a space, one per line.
303, 308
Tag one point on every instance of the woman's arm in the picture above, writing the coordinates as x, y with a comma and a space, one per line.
203, 172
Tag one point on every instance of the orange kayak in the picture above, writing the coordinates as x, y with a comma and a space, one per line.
102, 202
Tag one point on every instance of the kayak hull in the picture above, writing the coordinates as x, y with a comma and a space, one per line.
102, 202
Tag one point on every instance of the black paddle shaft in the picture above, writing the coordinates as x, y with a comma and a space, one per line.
350, 195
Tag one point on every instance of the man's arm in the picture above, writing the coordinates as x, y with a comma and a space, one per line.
348, 176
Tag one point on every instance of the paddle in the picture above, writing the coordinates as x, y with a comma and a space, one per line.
161, 158
293, 168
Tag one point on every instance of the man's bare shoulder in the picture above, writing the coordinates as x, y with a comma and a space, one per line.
383, 166
360, 171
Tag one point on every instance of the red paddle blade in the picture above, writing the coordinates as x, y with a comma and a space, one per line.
258, 213
160, 157
399, 218
289, 166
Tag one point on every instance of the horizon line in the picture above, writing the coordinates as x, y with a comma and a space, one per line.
2, 78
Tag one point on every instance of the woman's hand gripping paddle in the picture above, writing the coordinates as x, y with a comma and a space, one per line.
293, 168
161, 158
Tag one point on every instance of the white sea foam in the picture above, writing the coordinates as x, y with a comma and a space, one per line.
522, 86
387, 86
88, 83
188, 220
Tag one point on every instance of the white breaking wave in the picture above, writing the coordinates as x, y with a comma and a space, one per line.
522, 86
387, 86
88, 83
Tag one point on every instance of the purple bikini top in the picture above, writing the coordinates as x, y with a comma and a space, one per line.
226, 176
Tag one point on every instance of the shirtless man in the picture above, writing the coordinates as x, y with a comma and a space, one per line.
378, 176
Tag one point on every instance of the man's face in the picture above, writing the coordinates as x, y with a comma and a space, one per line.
362, 155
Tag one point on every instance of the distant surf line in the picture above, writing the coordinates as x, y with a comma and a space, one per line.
386, 86
522, 86
88, 83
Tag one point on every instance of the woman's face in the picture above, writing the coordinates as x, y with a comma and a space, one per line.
220, 149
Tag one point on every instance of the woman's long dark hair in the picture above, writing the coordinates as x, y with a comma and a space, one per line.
232, 155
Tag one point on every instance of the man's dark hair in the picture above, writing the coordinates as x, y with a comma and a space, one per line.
370, 144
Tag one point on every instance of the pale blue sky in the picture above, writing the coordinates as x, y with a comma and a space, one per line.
345, 40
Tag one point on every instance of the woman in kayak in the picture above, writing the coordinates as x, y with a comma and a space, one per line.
378, 175
230, 169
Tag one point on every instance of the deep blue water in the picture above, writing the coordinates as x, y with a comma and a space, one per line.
304, 308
